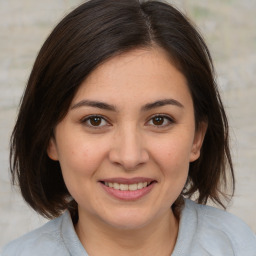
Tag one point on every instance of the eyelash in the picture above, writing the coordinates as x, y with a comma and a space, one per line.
165, 117
88, 118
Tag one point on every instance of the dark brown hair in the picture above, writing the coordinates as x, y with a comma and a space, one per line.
92, 33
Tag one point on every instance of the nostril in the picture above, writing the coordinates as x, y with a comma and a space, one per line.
128, 150
128, 160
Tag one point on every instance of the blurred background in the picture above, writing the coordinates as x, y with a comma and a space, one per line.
228, 27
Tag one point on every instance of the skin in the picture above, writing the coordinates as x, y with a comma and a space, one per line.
128, 142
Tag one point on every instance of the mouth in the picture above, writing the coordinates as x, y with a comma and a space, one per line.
128, 189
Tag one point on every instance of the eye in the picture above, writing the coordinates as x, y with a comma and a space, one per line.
161, 121
95, 121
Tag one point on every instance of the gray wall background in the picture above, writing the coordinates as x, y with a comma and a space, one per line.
229, 29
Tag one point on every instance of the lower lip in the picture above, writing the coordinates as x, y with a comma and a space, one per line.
127, 194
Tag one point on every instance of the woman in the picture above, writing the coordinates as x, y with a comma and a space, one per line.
121, 121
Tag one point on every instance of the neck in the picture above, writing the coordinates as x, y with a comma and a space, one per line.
156, 238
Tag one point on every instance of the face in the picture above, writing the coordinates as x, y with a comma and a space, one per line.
127, 140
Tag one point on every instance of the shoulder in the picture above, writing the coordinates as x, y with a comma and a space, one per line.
217, 228
218, 219
42, 241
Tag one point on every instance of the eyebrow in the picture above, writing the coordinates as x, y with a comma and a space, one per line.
94, 104
106, 106
161, 103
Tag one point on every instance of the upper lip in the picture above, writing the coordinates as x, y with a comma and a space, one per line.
128, 180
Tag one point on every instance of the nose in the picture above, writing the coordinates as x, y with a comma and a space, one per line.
128, 149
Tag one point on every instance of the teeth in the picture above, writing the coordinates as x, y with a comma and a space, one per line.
133, 187
116, 186
126, 187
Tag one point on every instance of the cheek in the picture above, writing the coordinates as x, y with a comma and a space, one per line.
80, 158
79, 164
172, 154
173, 159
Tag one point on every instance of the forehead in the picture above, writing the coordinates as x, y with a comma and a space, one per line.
136, 76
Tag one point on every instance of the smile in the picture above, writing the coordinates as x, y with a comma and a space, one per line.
127, 187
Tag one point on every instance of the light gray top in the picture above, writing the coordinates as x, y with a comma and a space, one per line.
203, 231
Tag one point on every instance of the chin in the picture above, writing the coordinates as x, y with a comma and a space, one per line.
128, 224
128, 220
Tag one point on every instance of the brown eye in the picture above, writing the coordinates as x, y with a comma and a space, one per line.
158, 120
95, 121
161, 121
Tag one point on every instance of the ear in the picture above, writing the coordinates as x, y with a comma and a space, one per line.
198, 141
52, 150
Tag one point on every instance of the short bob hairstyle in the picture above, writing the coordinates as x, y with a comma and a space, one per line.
88, 36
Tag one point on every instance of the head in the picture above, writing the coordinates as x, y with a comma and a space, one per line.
95, 33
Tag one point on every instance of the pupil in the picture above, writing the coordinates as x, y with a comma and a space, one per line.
95, 121
158, 120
